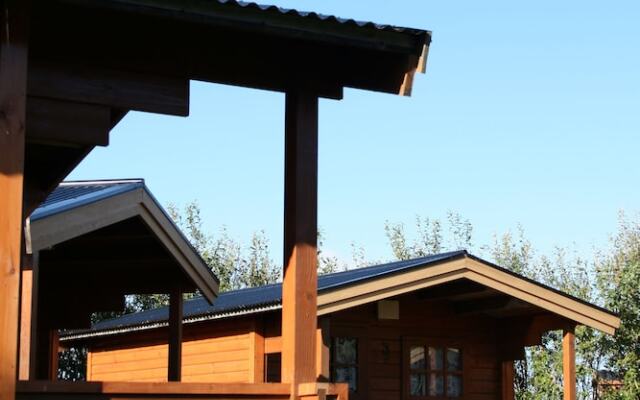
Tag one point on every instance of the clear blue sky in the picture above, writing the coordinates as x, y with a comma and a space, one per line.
529, 113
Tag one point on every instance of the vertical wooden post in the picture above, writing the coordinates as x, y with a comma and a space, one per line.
256, 347
569, 363
323, 339
13, 97
508, 375
54, 346
175, 336
299, 288
26, 312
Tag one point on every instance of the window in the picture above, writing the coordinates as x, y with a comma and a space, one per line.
273, 366
435, 371
344, 361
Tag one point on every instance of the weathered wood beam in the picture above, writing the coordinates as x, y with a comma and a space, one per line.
174, 372
67, 123
299, 288
14, 19
569, 363
112, 88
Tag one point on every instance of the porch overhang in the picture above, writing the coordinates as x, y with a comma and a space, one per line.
120, 230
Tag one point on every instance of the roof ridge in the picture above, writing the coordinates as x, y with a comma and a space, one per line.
409, 260
100, 181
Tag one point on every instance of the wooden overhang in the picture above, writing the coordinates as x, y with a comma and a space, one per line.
113, 236
90, 62
70, 70
470, 284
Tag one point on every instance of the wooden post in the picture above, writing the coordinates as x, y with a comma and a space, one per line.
175, 336
569, 363
323, 339
54, 346
13, 97
26, 317
508, 375
299, 287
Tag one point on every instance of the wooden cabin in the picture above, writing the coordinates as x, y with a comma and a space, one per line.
443, 326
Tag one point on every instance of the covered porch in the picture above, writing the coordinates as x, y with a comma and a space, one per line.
67, 78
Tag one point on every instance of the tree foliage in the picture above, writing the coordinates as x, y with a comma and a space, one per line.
612, 279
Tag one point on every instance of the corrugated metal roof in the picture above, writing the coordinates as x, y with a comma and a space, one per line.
70, 195
256, 299
322, 17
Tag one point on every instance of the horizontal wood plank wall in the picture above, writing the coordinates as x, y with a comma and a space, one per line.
381, 374
218, 352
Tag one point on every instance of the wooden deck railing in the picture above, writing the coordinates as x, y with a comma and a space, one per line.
47, 390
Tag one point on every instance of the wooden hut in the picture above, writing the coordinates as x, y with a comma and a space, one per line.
443, 326
89, 245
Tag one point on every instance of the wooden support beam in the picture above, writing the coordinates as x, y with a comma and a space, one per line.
508, 376
14, 18
27, 312
299, 288
68, 123
323, 345
112, 88
54, 339
569, 363
256, 347
175, 336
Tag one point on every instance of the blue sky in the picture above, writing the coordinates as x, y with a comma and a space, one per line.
529, 114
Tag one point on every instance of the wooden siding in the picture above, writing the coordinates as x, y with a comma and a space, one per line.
382, 342
218, 352
381, 345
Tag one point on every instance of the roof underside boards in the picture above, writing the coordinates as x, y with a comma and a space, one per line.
265, 298
231, 42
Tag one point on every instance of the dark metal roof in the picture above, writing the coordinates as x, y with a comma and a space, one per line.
322, 17
257, 299
69, 195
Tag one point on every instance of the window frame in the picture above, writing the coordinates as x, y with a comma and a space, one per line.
357, 364
426, 343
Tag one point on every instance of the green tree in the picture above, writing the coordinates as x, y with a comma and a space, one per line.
619, 282
431, 236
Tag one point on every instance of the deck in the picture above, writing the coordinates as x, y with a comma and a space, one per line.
47, 390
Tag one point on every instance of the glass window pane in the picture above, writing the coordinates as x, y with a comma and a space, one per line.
436, 385
348, 375
417, 357
454, 360
346, 350
454, 385
418, 385
435, 358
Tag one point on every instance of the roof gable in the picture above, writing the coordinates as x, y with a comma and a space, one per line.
79, 208
348, 289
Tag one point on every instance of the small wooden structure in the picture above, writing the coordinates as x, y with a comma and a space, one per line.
444, 326
89, 245
70, 70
